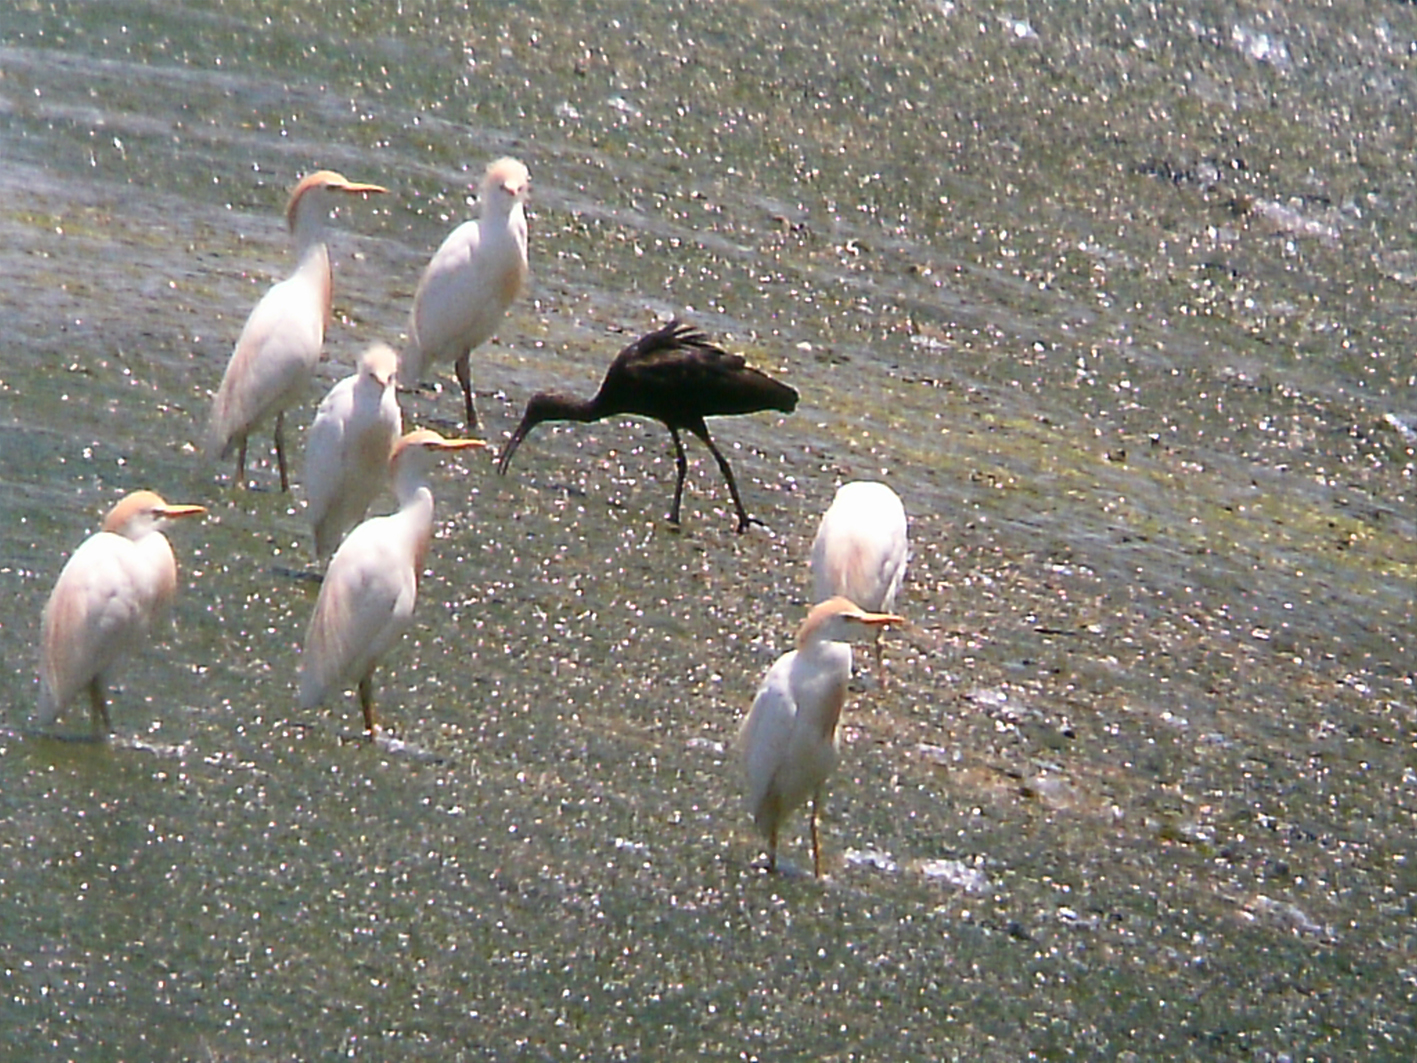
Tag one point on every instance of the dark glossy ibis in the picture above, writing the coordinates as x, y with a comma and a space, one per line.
676, 376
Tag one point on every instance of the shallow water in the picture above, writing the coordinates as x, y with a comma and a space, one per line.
1121, 304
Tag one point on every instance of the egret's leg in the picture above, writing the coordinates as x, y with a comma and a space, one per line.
241, 463
366, 702
772, 849
816, 839
464, 372
280, 450
98, 706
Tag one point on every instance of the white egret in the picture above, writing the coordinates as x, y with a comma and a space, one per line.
788, 742
470, 281
114, 588
280, 344
861, 549
348, 446
366, 600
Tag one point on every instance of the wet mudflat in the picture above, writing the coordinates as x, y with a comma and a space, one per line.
1121, 304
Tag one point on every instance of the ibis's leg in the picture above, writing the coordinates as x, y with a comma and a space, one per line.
681, 463
743, 519
464, 372
772, 848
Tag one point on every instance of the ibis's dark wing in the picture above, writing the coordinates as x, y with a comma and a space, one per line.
675, 374
673, 337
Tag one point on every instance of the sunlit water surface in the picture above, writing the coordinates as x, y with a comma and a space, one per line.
1120, 300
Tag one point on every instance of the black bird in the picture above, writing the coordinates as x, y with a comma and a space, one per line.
678, 377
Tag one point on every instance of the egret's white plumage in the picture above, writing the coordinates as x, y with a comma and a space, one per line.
348, 446
114, 588
861, 550
280, 344
788, 742
471, 281
366, 600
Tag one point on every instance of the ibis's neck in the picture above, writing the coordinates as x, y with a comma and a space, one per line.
569, 408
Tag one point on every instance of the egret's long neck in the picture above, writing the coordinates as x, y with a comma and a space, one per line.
308, 229
513, 226
502, 212
821, 648
415, 515
504, 240
825, 666
158, 573
314, 270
